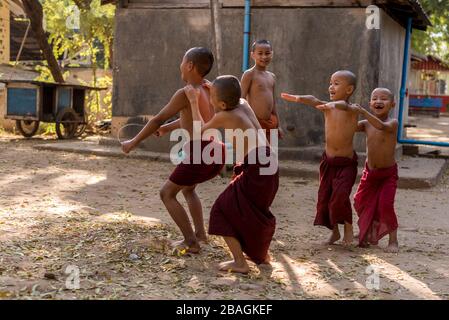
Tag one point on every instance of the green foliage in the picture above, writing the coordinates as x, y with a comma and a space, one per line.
48, 129
435, 40
96, 27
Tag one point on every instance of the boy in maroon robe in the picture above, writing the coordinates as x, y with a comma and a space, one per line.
374, 199
196, 64
241, 214
338, 168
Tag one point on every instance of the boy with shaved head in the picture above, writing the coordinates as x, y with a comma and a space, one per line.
241, 214
338, 167
374, 199
195, 65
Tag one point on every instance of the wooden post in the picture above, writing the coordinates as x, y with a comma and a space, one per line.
4, 33
215, 17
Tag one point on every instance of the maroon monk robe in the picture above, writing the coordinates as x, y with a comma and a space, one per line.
374, 203
242, 211
337, 177
189, 174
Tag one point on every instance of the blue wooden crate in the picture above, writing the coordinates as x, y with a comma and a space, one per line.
22, 102
426, 102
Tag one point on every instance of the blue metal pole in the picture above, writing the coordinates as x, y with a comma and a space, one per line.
246, 34
404, 77
403, 92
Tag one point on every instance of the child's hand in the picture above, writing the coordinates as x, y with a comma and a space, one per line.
192, 93
280, 133
289, 97
207, 84
127, 146
358, 108
160, 132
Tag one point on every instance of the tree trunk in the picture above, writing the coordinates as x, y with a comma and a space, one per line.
33, 10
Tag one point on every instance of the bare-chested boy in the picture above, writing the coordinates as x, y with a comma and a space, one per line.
241, 214
258, 87
338, 168
195, 65
374, 199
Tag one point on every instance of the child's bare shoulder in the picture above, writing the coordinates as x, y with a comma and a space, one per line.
248, 73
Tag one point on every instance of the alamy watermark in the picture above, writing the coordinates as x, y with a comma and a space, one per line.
373, 280
73, 279
373, 17
189, 149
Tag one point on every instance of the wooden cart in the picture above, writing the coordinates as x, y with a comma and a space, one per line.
32, 102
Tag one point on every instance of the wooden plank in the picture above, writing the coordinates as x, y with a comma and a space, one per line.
302, 3
168, 4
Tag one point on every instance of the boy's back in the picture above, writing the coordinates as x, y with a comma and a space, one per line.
185, 114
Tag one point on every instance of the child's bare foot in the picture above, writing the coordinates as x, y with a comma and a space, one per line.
180, 245
202, 237
364, 244
267, 259
348, 236
393, 247
335, 236
232, 266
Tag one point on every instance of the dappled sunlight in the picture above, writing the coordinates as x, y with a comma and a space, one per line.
118, 216
302, 276
396, 274
428, 128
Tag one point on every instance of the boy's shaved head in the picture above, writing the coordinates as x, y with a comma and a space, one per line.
262, 42
202, 59
348, 76
386, 91
228, 90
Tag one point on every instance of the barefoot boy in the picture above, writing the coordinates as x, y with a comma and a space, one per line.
195, 65
338, 168
258, 87
374, 199
241, 214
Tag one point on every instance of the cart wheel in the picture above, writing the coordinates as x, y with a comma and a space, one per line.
81, 127
66, 123
27, 128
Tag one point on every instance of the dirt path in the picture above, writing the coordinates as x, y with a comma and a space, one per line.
62, 211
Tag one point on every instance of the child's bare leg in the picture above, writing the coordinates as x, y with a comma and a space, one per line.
196, 211
335, 236
348, 235
393, 245
239, 263
168, 195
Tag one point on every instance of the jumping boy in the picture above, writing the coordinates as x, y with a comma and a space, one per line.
258, 87
338, 167
196, 64
374, 199
240, 214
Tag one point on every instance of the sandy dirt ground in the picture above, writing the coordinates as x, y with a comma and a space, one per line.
64, 215
429, 128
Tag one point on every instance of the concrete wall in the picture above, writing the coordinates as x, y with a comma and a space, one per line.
391, 56
309, 45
